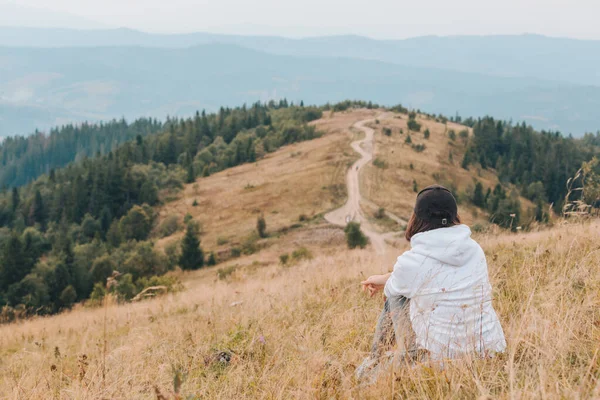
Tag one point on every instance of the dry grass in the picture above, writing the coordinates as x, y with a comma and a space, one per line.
299, 332
392, 187
306, 178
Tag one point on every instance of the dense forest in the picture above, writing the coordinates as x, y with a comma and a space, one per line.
63, 235
23, 159
537, 163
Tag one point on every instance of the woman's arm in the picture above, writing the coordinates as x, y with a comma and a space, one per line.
375, 283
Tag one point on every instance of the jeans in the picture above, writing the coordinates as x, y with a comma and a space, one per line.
393, 327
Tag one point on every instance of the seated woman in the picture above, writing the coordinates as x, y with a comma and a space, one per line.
443, 279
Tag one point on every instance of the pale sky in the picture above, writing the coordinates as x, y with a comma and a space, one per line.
374, 18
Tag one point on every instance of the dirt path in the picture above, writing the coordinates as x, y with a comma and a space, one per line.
351, 211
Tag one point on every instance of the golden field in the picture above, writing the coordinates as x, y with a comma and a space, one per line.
253, 328
299, 332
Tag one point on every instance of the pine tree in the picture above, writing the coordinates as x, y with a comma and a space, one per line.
192, 256
37, 213
212, 260
261, 226
105, 220
478, 196
191, 176
14, 264
466, 160
59, 280
16, 200
354, 236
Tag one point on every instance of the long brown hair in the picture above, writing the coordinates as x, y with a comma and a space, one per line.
418, 225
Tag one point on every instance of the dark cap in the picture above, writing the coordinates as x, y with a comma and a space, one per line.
436, 204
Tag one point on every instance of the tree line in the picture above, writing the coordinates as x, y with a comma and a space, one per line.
65, 233
24, 158
538, 164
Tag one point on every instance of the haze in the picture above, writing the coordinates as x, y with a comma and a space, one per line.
375, 18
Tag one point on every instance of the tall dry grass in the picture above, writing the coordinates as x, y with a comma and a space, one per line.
298, 332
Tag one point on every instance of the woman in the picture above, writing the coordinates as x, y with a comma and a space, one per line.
444, 280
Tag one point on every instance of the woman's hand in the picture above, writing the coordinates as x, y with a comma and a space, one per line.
374, 284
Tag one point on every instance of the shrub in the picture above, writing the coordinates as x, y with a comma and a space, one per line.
125, 289
284, 258
98, 293
136, 224
479, 228
354, 236
68, 296
302, 218
172, 254
418, 147
223, 273
140, 259
380, 213
379, 163
249, 245
221, 241
212, 260
102, 268
415, 186
169, 226
408, 140
413, 125
387, 131
301, 253
464, 134
236, 252
426, 134
452, 134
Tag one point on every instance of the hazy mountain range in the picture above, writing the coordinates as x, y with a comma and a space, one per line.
51, 76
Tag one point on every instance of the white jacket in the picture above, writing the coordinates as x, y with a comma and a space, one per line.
445, 277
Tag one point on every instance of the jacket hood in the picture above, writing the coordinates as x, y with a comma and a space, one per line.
452, 246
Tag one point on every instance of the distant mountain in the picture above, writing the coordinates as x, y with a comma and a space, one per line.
560, 59
42, 87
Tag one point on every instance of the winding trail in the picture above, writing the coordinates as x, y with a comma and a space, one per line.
351, 211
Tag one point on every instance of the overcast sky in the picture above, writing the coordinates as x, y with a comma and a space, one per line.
374, 18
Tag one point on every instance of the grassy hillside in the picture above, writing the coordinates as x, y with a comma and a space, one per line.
254, 327
294, 186
401, 167
280, 332
291, 187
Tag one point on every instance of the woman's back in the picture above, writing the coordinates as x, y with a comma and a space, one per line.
445, 276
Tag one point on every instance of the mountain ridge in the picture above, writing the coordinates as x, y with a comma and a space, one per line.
110, 82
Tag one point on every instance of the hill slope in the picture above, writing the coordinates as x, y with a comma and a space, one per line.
299, 332
130, 81
256, 327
